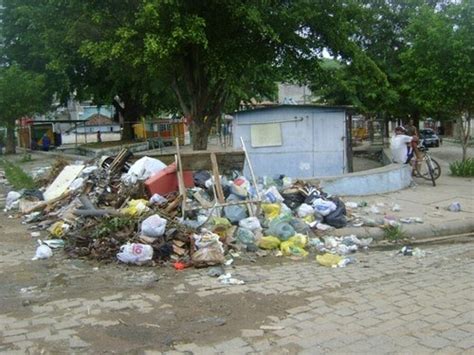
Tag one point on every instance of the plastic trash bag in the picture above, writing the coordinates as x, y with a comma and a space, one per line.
135, 207
43, 252
53, 243
76, 184
337, 217
299, 240
145, 167
324, 207
251, 223
269, 242
157, 199
453, 207
294, 246
135, 253
208, 256
58, 229
272, 195
239, 191
200, 177
271, 210
154, 226
305, 210
282, 230
235, 213
330, 260
12, 201
245, 236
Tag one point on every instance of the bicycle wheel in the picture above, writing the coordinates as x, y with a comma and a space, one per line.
429, 169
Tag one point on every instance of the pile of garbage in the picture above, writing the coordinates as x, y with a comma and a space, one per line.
136, 212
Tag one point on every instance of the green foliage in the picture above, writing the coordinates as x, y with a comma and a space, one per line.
111, 225
394, 233
462, 168
21, 94
16, 176
26, 158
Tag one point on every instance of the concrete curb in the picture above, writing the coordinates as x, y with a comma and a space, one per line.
416, 231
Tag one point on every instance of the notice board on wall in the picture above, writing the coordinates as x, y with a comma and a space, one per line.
266, 135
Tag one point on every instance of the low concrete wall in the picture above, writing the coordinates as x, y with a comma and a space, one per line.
392, 177
90, 152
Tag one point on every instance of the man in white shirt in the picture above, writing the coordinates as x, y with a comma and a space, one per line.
399, 147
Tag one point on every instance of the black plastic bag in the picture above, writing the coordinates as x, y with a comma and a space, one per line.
337, 218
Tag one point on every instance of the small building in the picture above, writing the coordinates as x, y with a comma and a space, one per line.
300, 141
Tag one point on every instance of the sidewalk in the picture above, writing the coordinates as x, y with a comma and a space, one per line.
425, 201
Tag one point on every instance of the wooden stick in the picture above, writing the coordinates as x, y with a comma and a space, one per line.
251, 173
231, 203
182, 188
217, 178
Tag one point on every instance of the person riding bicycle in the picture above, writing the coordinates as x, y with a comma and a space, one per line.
399, 146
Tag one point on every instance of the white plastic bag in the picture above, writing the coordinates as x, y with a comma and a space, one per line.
76, 184
154, 226
157, 199
135, 253
305, 210
272, 195
12, 200
251, 223
145, 167
324, 207
43, 252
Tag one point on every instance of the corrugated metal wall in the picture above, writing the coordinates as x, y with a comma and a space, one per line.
313, 141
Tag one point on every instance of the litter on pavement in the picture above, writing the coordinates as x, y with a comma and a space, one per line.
146, 212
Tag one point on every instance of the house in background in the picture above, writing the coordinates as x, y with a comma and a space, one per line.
300, 141
98, 122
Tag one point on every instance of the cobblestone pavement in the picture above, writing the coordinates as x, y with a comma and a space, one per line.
385, 303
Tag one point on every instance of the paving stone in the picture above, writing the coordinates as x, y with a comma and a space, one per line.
434, 342
250, 333
76, 342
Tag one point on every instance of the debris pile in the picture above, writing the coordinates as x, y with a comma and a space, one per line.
147, 212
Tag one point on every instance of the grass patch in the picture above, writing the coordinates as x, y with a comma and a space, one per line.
462, 168
16, 176
394, 233
26, 158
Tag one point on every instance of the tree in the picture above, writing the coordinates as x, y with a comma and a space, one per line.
198, 57
438, 64
21, 94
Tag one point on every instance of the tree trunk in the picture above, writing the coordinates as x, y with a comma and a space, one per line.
131, 115
200, 129
464, 134
10, 147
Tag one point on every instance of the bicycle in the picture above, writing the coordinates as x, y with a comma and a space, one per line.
426, 167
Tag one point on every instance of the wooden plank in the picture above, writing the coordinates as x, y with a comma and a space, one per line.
217, 179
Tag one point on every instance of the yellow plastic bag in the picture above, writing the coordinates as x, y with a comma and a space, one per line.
271, 210
135, 207
58, 229
289, 248
310, 218
328, 259
220, 226
299, 240
269, 242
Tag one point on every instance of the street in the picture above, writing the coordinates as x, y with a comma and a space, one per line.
383, 303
